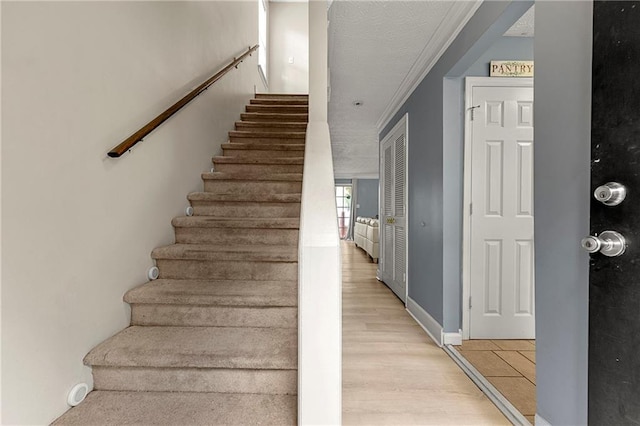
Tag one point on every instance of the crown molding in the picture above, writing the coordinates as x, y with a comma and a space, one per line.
442, 38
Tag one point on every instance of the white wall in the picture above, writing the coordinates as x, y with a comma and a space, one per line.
78, 227
288, 38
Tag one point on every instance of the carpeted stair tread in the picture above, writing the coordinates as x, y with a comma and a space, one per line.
218, 380
228, 222
273, 135
281, 101
221, 159
245, 253
295, 177
226, 186
253, 162
230, 229
282, 96
249, 198
273, 116
215, 292
273, 126
263, 147
278, 109
199, 347
109, 408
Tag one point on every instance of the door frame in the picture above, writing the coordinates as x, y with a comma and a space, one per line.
403, 121
351, 208
470, 83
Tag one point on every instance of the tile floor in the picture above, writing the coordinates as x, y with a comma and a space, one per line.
510, 366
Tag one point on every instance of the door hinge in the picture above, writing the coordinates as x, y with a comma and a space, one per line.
470, 209
404, 277
469, 302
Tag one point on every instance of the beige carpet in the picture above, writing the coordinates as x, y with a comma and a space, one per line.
214, 339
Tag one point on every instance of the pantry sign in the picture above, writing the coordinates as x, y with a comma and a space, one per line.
511, 69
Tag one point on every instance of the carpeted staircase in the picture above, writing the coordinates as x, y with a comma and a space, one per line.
214, 339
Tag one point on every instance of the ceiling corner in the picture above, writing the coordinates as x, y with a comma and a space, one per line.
455, 20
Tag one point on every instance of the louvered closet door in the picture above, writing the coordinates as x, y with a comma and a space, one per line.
393, 220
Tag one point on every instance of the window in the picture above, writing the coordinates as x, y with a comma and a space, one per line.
343, 203
262, 38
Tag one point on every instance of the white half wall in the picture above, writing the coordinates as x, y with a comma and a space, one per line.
319, 288
78, 227
319, 264
288, 47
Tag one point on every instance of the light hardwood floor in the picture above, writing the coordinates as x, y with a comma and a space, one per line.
392, 372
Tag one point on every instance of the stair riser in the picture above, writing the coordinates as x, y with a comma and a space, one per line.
195, 380
254, 187
267, 141
278, 109
213, 316
274, 118
271, 129
218, 293
262, 153
231, 209
223, 270
258, 168
192, 235
281, 96
303, 102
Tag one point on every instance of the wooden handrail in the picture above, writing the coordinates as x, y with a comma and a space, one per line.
128, 143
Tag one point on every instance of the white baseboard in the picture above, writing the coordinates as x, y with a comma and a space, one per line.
540, 421
452, 338
426, 321
431, 326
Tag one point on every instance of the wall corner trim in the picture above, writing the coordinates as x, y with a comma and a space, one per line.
540, 421
426, 321
452, 338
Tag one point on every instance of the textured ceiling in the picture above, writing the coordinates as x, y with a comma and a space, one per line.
524, 26
373, 47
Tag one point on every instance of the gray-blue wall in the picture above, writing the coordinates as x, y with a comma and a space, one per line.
561, 156
517, 48
367, 197
562, 50
434, 197
504, 48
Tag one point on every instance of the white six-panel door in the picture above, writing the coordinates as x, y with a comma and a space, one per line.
501, 266
393, 236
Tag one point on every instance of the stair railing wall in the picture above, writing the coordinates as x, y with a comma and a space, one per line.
319, 288
320, 268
